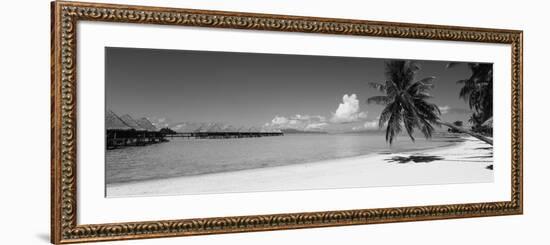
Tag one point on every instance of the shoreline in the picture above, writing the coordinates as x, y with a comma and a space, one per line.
459, 162
382, 152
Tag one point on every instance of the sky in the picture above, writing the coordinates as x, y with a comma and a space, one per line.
324, 93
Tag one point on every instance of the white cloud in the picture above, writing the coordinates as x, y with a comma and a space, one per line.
348, 110
371, 124
299, 117
279, 120
368, 125
444, 109
301, 122
302, 117
159, 122
316, 126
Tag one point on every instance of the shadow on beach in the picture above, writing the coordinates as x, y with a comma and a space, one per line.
484, 148
415, 159
480, 157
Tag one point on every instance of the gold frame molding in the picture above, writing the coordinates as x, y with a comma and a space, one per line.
66, 15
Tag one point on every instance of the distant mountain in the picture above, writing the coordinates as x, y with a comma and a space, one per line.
190, 127
187, 127
296, 131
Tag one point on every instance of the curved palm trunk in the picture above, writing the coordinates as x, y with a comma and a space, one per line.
476, 135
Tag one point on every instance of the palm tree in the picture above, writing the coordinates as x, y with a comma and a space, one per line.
477, 90
406, 103
475, 119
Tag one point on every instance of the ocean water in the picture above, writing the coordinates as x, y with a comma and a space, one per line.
186, 157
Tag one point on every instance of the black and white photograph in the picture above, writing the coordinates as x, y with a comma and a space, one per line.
274, 122
199, 122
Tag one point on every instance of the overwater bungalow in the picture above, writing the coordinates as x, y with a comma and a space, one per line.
140, 132
152, 131
117, 130
146, 124
218, 131
125, 131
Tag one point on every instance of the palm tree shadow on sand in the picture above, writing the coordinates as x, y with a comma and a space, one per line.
414, 158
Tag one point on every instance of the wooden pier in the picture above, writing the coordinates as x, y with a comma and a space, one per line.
223, 135
117, 139
125, 131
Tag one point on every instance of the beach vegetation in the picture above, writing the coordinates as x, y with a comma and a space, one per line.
477, 91
406, 103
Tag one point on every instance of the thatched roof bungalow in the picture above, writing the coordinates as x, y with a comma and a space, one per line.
114, 122
128, 120
146, 124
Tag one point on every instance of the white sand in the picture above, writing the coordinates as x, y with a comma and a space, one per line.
465, 162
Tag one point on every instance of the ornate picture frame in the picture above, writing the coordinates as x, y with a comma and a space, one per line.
64, 187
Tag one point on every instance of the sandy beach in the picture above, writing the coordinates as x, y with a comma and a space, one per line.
465, 162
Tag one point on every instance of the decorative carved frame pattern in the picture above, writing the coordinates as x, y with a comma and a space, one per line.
65, 16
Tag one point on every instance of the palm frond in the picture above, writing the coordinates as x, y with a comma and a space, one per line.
419, 87
415, 67
385, 115
391, 89
427, 130
380, 100
411, 117
378, 86
405, 101
410, 121
477, 90
394, 127
427, 80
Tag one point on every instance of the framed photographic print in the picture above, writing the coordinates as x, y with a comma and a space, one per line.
176, 122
